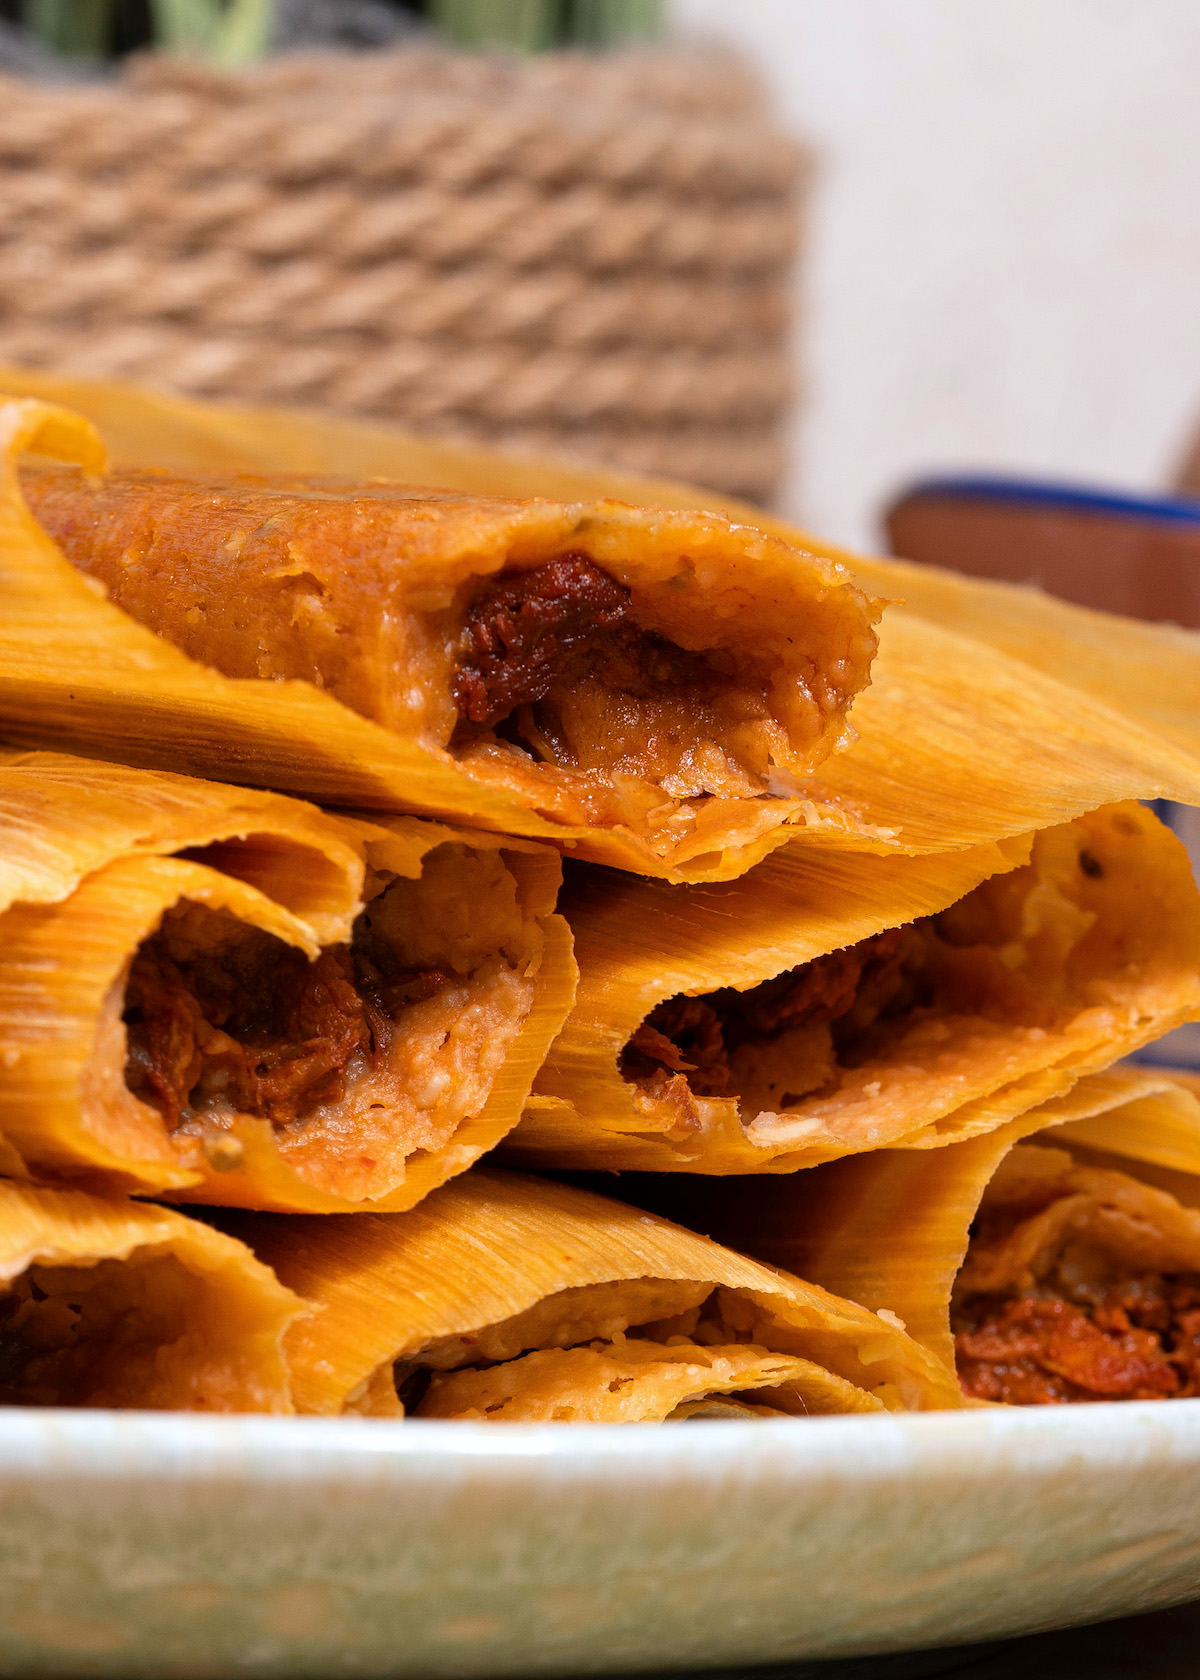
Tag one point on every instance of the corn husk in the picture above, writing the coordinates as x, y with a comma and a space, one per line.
1111, 961
66, 1111
117, 1303
958, 745
62, 817
480, 1269
891, 1228
1151, 673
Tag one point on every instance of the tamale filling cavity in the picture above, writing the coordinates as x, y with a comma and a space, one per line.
117, 1333
553, 667
1051, 1305
1006, 952
379, 1048
835, 1001
635, 1350
243, 1020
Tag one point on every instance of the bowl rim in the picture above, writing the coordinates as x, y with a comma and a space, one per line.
119, 1445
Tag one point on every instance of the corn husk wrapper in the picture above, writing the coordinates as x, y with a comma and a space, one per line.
890, 1229
445, 1283
65, 1109
1111, 959
1150, 673
118, 1303
62, 817
958, 745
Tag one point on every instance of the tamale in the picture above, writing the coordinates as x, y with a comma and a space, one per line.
1151, 673
117, 1303
642, 683
1058, 1258
231, 1022
820, 1007
512, 1299
958, 745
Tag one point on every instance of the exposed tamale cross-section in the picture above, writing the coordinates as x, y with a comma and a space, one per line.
108, 1302
574, 670
821, 1007
230, 996
505, 1298
1055, 1259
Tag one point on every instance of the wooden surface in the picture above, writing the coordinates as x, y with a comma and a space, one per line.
1164, 1645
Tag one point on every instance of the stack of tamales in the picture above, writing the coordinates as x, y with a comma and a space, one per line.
573, 960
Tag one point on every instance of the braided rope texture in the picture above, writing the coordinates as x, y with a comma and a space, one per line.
578, 255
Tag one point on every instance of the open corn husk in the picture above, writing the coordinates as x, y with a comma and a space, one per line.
1151, 673
1039, 975
342, 1059
958, 744
507, 1298
61, 817
117, 1303
1066, 1204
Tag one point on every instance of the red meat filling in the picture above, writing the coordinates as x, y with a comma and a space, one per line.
1139, 1341
694, 1037
523, 631
258, 1026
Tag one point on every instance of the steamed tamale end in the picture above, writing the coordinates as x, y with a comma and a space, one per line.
957, 744
916, 1035
1149, 668
633, 1381
1047, 1274
440, 1009
465, 1305
598, 661
169, 1027
1079, 1284
69, 1081
107, 1302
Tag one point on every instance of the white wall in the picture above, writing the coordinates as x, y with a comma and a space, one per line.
1004, 260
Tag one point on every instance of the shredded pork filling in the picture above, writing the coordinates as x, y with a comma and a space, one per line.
551, 664
374, 1053
1006, 952
524, 630
247, 1022
848, 994
1078, 1284
1136, 1339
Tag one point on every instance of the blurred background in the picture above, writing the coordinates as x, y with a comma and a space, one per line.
806, 251
1003, 248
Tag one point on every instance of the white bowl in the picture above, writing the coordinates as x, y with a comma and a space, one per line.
160, 1545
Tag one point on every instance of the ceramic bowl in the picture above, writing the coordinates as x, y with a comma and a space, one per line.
149, 1544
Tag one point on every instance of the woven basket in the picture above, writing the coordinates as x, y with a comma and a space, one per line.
582, 255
